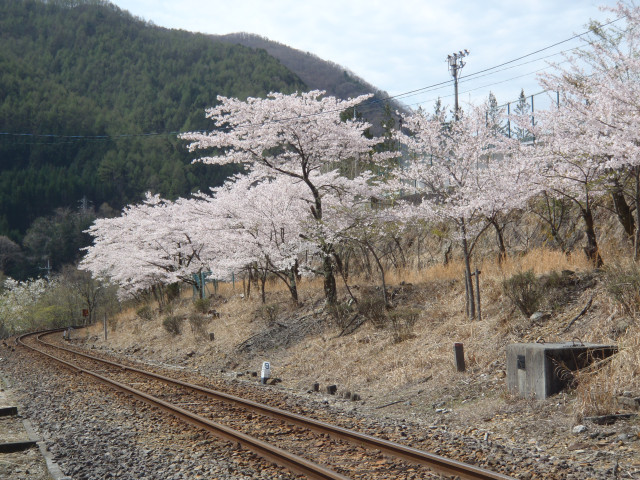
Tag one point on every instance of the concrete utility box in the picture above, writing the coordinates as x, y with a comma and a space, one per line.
541, 369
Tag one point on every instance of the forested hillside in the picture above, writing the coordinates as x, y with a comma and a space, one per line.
92, 99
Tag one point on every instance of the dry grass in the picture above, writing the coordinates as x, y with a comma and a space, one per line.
374, 360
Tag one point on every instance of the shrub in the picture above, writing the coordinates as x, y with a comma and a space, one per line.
373, 308
202, 305
51, 316
173, 292
198, 323
145, 312
342, 313
623, 284
269, 313
402, 322
523, 290
173, 324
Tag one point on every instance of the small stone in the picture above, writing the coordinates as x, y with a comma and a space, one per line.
579, 429
540, 316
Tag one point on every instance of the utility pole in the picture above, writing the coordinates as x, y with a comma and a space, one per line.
455, 65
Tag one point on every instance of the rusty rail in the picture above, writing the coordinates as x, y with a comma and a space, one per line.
294, 463
434, 462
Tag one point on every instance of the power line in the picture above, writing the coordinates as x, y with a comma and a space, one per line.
369, 103
540, 50
467, 79
488, 85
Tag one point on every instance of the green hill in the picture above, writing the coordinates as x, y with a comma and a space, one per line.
83, 87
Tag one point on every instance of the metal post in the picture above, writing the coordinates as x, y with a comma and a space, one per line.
468, 291
533, 120
105, 327
458, 349
233, 280
478, 294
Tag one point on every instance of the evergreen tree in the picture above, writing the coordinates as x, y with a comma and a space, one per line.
494, 115
522, 109
437, 108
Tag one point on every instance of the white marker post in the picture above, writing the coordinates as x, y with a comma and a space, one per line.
266, 372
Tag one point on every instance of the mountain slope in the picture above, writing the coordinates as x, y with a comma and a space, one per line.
82, 83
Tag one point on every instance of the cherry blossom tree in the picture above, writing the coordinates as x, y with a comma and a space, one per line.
369, 225
463, 172
613, 85
570, 165
591, 141
295, 136
16, 300
261, 225
151, 245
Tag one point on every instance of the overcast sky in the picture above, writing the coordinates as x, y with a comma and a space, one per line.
401, 46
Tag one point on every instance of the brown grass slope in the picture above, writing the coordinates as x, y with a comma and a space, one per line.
400, 360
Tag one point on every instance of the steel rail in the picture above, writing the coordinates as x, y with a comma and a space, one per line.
434, 462
294, 463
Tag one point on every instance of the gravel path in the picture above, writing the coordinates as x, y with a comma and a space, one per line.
94, 433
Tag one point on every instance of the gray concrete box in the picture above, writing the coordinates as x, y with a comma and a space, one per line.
542, 369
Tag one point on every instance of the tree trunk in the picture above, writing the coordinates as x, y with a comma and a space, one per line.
502, 251
592, 244
381, 269
366, 263
293, 287
343, 271
330, 290
467, 273
263, 281
622, 209
636, 243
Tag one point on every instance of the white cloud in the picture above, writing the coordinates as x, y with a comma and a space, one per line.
396, 46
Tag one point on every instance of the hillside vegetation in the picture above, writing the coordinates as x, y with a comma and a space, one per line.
81, 86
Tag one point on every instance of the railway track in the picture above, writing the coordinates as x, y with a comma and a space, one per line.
338, 452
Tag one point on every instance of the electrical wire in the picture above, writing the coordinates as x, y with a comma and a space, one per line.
466, 79
540, 50
490, 85
364, 105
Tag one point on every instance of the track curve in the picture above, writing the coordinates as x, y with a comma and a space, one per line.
293, 462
